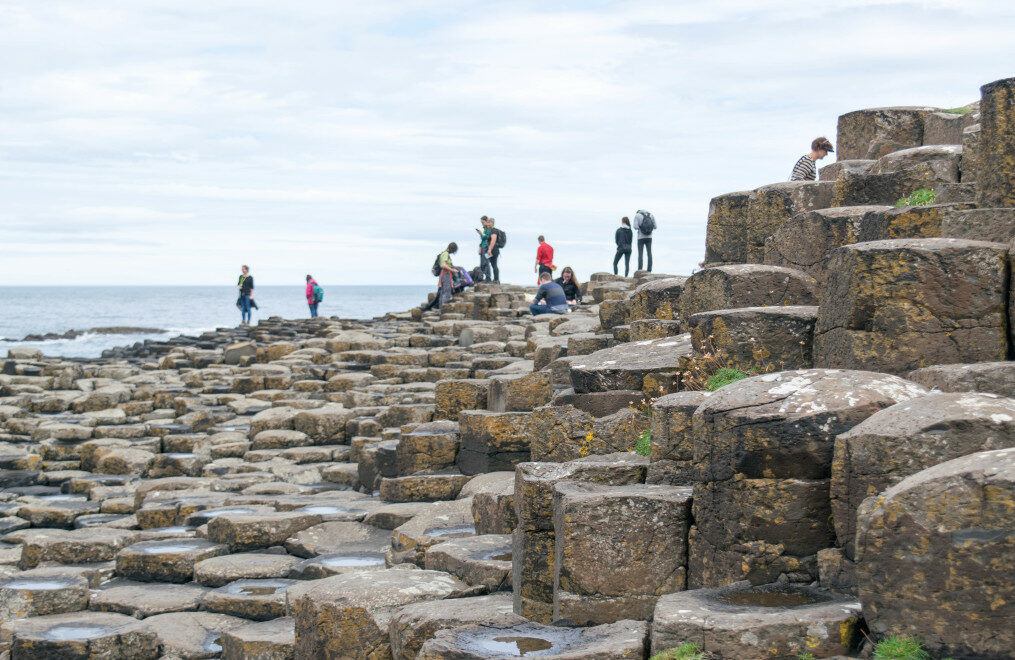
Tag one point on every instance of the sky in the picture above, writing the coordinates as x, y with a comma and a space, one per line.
170, 141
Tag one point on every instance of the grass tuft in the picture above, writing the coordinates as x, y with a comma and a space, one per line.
724, 377
643, 447
900, 647
964, 110
686, 651
921, 197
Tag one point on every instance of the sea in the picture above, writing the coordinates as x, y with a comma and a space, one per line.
169, 311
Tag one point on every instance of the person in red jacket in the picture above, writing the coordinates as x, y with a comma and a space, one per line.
544, 257
314, 295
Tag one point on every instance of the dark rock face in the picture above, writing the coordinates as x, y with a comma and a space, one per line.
776, 337
725, 239
873, 133
950, 524
624, 367
804, 241
764, 450
494, 441
990, 377
995, 174
657, 299
565, 433
749, 285
618, 548
672, 451
534, 541
895, 306
898, 174
908, 437
997, 225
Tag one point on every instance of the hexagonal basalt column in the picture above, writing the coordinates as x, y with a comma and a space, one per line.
874, 132
534, 549
347, 616
908, 437
951, 525
618, 548
758, 338
764, 447
898, 305
81, 635
746, 285
995, 176
757, 623
491, 441
171, 560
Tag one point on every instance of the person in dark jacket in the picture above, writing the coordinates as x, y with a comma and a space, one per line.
245, 285
551, 295
624, 237
568, 282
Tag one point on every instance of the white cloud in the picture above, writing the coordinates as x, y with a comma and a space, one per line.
166, 141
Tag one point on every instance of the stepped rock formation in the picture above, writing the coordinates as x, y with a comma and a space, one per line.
809, 437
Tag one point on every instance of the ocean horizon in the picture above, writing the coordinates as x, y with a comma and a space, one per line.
168, 311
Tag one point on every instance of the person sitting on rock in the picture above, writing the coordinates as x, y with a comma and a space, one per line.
553, 296
806, 168
568, 282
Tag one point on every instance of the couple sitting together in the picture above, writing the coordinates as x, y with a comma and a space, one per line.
556, 296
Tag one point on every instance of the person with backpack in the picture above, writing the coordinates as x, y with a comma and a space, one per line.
644, 224
498, 239
623, 238
245, 285
445, 272
315, 294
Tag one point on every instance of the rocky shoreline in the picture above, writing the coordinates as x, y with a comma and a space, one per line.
74, 334
763, 459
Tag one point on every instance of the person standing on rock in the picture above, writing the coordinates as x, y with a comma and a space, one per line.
552, 295
644, 224
497, 241
623, 237
806, 168
544, 258
484, 242
315, 294
445, 272
245, 285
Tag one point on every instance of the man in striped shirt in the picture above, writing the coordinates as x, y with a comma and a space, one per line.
806, 168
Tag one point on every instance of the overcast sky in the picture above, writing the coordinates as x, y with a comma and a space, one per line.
168, 141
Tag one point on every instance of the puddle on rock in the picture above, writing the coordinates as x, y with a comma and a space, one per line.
327, 510
74, 631
527, 639
520, 646
351, 561
447, 531
166, 548
782, 597
211, 642
258, 587
29, 584
180, 455
500, 556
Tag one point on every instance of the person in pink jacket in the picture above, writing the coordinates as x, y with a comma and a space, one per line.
315, 294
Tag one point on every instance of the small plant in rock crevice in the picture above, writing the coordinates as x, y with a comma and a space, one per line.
713, 367
643, 446
686, 651
921, 197
900, 647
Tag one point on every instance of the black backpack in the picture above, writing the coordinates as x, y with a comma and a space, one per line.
436, 270
647, 224
501, 238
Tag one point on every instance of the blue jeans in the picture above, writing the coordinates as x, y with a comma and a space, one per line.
313, 310
542, 309
245, 308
